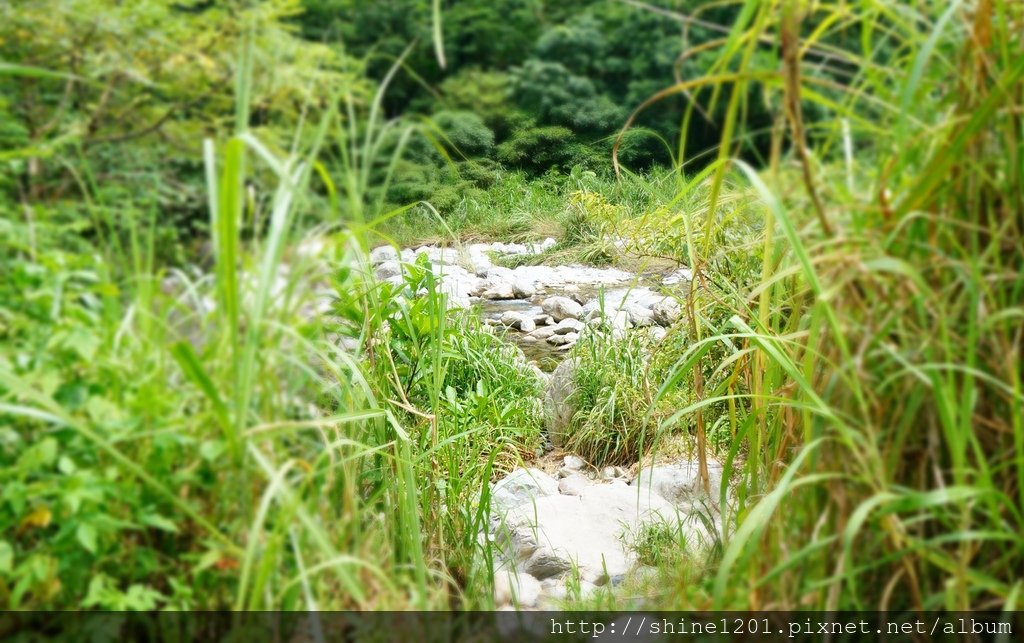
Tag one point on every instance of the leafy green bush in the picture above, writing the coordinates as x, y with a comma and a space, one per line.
538, 149
464, 133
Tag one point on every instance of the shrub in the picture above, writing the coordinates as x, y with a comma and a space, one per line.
464, 133
538, 149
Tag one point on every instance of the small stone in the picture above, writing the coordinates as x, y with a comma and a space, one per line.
511, 588
572, 485
559, 340
667, 312
573, 462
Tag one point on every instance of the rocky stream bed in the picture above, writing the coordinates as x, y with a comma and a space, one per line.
566, 533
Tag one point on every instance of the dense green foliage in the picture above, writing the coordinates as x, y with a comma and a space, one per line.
206, 401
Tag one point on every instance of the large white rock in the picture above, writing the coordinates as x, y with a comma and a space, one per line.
522, 487
680, 484
619, 321
561, 308
560, 532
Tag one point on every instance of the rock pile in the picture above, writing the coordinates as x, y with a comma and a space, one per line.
544, 303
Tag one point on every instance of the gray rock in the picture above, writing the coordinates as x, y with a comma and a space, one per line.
499, 290
523, 289
545, 564
567, 326
553, 589
543, 333
667, 311
388, 269
519, 321
619, 321
559, 340
382, 254
640, 316
561, 308
578, 297
558, 408
522, 486
657, 333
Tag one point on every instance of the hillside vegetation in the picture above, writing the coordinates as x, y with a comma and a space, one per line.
209, 401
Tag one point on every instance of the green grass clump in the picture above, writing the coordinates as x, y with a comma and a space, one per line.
657, 544
612, 395
879, 425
